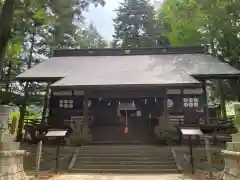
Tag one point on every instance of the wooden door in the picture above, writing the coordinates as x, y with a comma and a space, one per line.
139, 130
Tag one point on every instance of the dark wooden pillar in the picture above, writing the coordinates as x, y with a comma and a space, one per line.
46, 104
165, 106
85, 107
206, 113
85, 114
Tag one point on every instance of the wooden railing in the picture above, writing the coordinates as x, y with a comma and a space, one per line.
34, 129
217, 131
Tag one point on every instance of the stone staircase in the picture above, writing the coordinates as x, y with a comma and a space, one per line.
124, 159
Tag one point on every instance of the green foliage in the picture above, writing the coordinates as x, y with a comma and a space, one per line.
67, 12
37, 28
214, 23
13, 51
135, 25
90, 38
184, 20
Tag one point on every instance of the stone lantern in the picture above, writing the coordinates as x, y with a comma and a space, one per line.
232, 154
11, 158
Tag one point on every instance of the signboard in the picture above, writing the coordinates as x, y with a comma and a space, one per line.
191, 131
56, 133
193, 91
62, 93
174, 91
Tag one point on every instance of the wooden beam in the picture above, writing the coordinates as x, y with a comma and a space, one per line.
126, 93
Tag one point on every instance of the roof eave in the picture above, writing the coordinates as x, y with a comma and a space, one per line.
216, 76
125, 86
37, 79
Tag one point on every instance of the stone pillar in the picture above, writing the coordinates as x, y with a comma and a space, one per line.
11, 158
81, 132
232, 154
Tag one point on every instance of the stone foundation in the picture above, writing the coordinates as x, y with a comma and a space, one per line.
232, 154
11, 165
232, 165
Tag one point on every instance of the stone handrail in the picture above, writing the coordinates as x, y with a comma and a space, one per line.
176, 160
13, 153
230, 154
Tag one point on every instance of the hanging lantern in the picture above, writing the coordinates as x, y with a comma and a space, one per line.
145, 101
150, 116
89, 103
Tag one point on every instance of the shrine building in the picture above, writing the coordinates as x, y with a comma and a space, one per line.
127, 95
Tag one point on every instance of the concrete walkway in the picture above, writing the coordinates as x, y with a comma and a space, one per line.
121, 177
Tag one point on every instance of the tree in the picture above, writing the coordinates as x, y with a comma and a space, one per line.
182, 22
90, 38
213, 23
6, 18
135, 24
64, 10
31, 29
66, 13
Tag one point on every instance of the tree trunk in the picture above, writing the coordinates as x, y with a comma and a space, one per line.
6, 19
7, 94
8, 78
26, 93
22, 113
222, 100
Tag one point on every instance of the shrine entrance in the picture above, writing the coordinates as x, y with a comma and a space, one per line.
125, 121
130, 129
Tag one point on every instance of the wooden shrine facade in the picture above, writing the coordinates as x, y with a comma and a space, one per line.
146, 105
91, 88
179, 100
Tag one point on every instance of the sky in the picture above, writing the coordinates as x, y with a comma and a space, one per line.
102, 17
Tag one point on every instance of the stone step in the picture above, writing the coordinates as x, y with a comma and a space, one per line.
107, 149
124, 166
128, 150
123, 158
128, 162
125, 171
127, 154
125, 147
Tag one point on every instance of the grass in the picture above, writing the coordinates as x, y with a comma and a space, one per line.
230, 107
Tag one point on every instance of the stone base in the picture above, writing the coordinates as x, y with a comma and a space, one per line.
7, 146
11, 165
232, 165
233, 146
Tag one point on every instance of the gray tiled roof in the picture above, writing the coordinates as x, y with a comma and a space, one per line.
125, 70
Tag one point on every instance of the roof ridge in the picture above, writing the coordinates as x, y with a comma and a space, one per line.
130, 51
